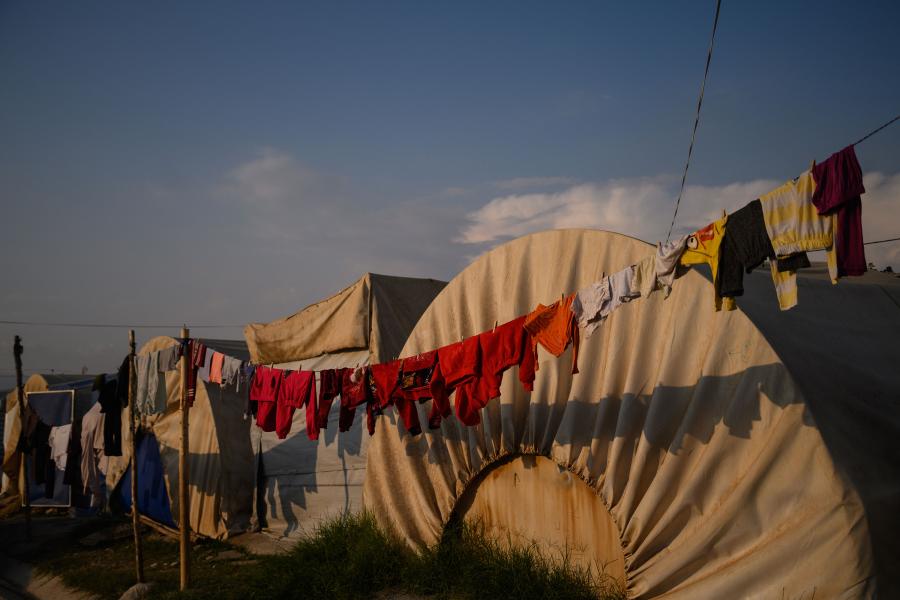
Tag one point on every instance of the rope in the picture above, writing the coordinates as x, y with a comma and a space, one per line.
873, 132
687, 164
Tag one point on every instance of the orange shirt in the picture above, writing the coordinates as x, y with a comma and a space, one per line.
554, 327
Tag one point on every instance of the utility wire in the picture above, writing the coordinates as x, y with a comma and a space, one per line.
687, 164
114, 326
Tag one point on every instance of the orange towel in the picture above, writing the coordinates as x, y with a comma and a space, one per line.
554, 327
215, 367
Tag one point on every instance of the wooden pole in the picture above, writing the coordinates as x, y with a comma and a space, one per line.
20, 393
135, 518
183, 497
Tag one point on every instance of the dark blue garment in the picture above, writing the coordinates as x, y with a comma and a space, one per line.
153, 500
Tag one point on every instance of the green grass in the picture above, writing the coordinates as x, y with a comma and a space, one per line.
346, 558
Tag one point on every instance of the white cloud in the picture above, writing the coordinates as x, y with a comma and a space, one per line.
637, 207
643, 208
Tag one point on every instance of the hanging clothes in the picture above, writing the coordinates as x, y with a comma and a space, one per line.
203, 370
794, 225
196, 352
247, 371
457, 367
168, 358
72, 475
264, 392
123, 381
590, 305
94, 462
554, 327
33, 441
231, 368
668, 257
141, 374
620, 291
58, 440
354, 393
643, 279
839, 185
215, 367
298, 389
329, 389
702, 246
745, 246
416, 375
112, 422
157, 396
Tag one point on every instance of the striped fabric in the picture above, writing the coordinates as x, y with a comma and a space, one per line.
794, 225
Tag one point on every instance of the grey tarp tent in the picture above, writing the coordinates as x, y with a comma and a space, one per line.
751, 453
220, 460
302, 481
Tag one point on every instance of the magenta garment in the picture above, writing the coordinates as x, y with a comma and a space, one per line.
839, 184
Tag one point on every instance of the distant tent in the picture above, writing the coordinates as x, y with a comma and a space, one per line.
300, 481
698, 454
220, 459
12, 424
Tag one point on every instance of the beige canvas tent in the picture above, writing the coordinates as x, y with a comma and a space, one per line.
220, 460
300, 481
698, 454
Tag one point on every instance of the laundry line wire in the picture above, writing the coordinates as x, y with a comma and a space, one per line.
882, 241
874, 131
687, 164
856, 143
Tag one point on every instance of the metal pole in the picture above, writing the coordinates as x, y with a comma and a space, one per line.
183, 498
135, 518
20, 392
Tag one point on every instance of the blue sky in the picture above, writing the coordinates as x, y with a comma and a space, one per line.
231, 162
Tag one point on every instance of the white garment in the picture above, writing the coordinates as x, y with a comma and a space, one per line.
94, 462
667, 256
59, 445
594, 303
588, 305
644, 279
620, 290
